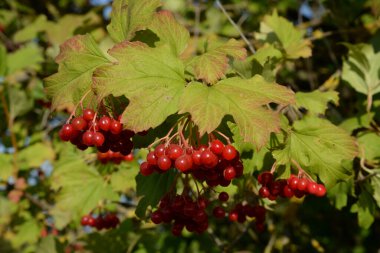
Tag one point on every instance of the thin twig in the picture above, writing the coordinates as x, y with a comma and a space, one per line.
40, 203
250, 46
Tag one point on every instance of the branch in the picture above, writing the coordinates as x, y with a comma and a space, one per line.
40, 203
250, 46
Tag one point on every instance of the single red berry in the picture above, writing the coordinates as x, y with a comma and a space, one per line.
146, 169
264, 192
164, 162
217, 147
200, 216
276, 187
233, 216
128, 157
202, 202
100, 223
229, 173
209, 159
156, 217
196, 156
151, 158
116, 127
218, 212
265, 178
287, 192
202, 148
66, 132
293, 182
302, 184
79, 123
160, 150
177, 229
105, 123
190, 209
88, 114
91, 221
174, 151
321, 191
229, 152
84, 220
184, 163
98, 139
312, 188
223, 196
88, 138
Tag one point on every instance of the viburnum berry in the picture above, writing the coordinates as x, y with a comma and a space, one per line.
160, 150
88, 138
146, 169
229, 173
264, 192
79, 124
174, 151
115, 127
208, 159
321, 191
218, 212
98, 139
151, 158
217, 147
233, 216
164, 162
302, 184
66, 132
183, 163
229, 152
105, 123
223, 196
88, 114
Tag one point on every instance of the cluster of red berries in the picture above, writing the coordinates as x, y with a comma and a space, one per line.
114, 157
287, 188
105, 133
183, 212
241, 211
216, 164
104, 221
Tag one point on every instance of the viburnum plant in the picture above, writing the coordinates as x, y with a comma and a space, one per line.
155, 72
187, 129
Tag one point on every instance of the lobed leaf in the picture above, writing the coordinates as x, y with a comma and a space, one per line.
316, 101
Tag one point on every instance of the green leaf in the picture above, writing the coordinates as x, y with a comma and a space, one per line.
27, 232
27, 57
212, 65
170, 31
359, 121
152, 188
316, 101
151, 78
243, 99
365, 207
78, 58
275, 29
33, 156
47, 244
30, 31
375, 182
75, 196
319, 147
361, 70
7, 209
3, 61
19, 102
123, 179
263, 54
6, 166
370, 145
339, 193
130, 16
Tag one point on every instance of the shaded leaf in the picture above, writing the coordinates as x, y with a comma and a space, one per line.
365, 208
316, 101
47, 244
19, 102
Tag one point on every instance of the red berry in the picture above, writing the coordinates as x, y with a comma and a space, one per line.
66, 132
312, 188
302, 184
174, 151
184, 163
98, 139
287, 192
160, 150
196, 156
218, 212
129, 157
164, 162
217, 147
209, 159
151, 158
115, 127
202, 148
233, 216
88, 114
202, 202
293, 182
264, 192
265, 178
321, 191
156, 217
223, 196
229, 152
84, 220
88, 138
91, 221
100, 223
146, 169
79, 123
229, 173
200, 216
105, 123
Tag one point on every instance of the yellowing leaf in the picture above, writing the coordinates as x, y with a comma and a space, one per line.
151, 78
316, 101
130, 16
243, 99
170, 31
278, 29
74, 76
213, 64
319, 147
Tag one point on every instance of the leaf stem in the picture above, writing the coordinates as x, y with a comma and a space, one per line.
250, 46
224, 136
